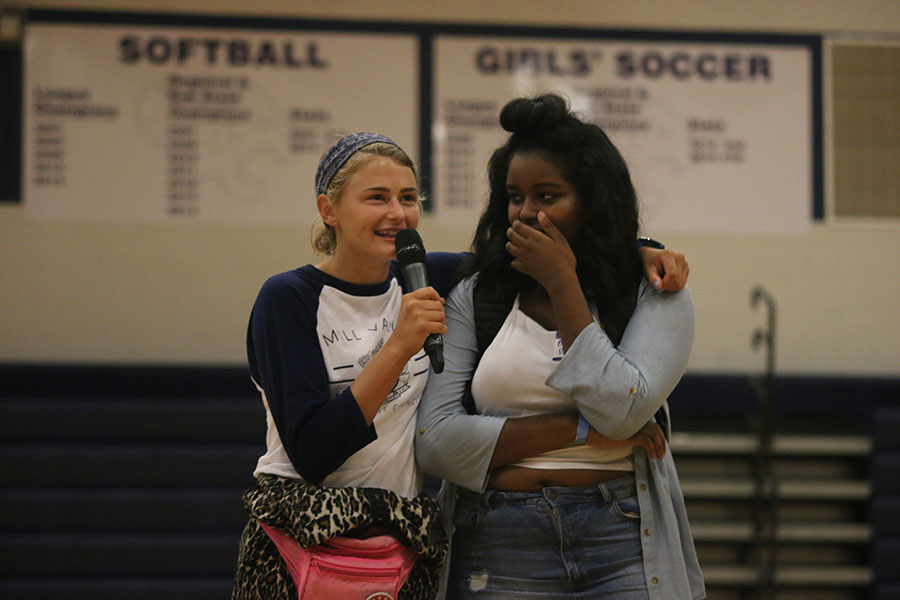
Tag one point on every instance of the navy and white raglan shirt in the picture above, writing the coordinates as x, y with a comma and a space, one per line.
309, 337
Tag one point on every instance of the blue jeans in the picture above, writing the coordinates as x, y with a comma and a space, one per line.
559, 543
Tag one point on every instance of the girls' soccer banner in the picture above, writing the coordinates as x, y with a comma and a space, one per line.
718, 135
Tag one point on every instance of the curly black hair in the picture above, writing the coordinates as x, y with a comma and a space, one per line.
608, 262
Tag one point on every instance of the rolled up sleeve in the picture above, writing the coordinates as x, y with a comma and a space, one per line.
619, 389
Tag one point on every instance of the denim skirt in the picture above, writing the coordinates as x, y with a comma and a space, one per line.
559, 543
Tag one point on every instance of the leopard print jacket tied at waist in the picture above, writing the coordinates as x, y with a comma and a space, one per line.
312, 514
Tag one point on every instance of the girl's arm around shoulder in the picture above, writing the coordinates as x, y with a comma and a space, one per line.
618, 389
443, 268
450, 443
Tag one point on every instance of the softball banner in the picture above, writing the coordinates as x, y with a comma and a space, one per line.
226, 125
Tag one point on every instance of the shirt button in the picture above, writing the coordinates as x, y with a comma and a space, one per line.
647, 532
421, 432
632, 391
643, 487
654, 580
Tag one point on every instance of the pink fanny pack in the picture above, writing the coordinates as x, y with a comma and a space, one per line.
347, 568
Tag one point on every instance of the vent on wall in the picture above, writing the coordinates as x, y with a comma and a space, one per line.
866, 118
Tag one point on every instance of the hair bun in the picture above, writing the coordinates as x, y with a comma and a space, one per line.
533, 115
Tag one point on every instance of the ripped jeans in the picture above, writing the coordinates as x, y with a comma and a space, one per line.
559, 543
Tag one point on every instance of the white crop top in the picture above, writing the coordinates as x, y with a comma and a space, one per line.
510, 382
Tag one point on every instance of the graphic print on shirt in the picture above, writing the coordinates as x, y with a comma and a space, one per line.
352, 329
400, 386
351, 335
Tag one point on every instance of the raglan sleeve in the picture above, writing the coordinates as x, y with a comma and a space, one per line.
318, 432
619, 389
450, 443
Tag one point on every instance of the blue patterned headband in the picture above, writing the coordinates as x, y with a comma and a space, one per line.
342, 150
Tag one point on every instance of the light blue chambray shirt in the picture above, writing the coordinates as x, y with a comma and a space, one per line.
618, 390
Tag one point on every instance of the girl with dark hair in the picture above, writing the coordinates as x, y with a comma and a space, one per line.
543, 426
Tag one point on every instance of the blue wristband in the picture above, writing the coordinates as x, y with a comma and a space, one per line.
581, 435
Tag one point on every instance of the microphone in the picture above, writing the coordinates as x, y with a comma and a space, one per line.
411, 256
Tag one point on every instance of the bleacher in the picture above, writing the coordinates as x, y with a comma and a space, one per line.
126, 482
822, 530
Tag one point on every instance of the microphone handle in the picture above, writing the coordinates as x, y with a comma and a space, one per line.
416, 276
434, 348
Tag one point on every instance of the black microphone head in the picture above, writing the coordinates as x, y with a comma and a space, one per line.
409, 246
